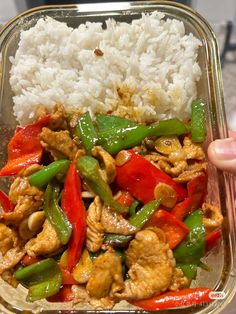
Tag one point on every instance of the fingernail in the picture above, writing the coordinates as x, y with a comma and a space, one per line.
225, 149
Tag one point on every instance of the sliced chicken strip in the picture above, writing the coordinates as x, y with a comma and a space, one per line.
11, 259
46, 242
8, 238
193, 150
25, 207
81, 295
151, 265
108, 164
106, 276
21, 187
114, 222
95, 230
59, 144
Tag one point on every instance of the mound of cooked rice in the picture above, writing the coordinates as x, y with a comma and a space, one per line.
146, 70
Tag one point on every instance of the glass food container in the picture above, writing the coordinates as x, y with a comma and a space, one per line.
222, 260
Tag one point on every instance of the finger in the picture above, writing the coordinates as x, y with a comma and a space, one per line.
222, 153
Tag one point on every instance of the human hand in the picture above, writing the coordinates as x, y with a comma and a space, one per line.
222, 153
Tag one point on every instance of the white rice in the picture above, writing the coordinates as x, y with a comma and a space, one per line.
148, 70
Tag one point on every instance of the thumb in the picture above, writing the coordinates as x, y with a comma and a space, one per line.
222, 153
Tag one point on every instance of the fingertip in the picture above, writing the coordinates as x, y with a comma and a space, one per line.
225, 164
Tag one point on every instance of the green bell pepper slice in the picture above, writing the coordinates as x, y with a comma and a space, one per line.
45, 289
138, 220
86, 131
189, 270
44, 176
115, 140
43, 279
56, 215
198, 121
36, 272
192, 249
89, 170
144, 214
132, 208
106, 122
168, 127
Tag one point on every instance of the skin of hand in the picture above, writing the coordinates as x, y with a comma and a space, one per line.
222, 153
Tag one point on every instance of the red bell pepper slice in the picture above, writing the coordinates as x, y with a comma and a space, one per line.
30, 260
73, 206
64, 295
125, 198
67, 277
197, 189
175, 230
212, 240
5, 202
172, 299
140, 177
24, 149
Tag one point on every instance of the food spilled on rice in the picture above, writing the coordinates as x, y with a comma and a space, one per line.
109, 177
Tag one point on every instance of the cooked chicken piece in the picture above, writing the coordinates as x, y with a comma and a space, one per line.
176, 169
166, 194
46, 242
11, 252
26, 206
175, 162
10, 247
155, 157
57, 116
81, 295
73, 121
80, 152
106, 277
114, 222
198, 166
212, 216
94, 231
193, 171
106, 303
107, 163
11, 258
7, 276
179, 280
151, 265
30, 170
21, 188
193, 150
187, 176
59, 144
8, 239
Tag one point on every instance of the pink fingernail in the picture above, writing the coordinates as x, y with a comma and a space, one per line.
225, 149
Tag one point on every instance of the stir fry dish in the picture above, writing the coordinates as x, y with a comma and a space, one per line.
102, 209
